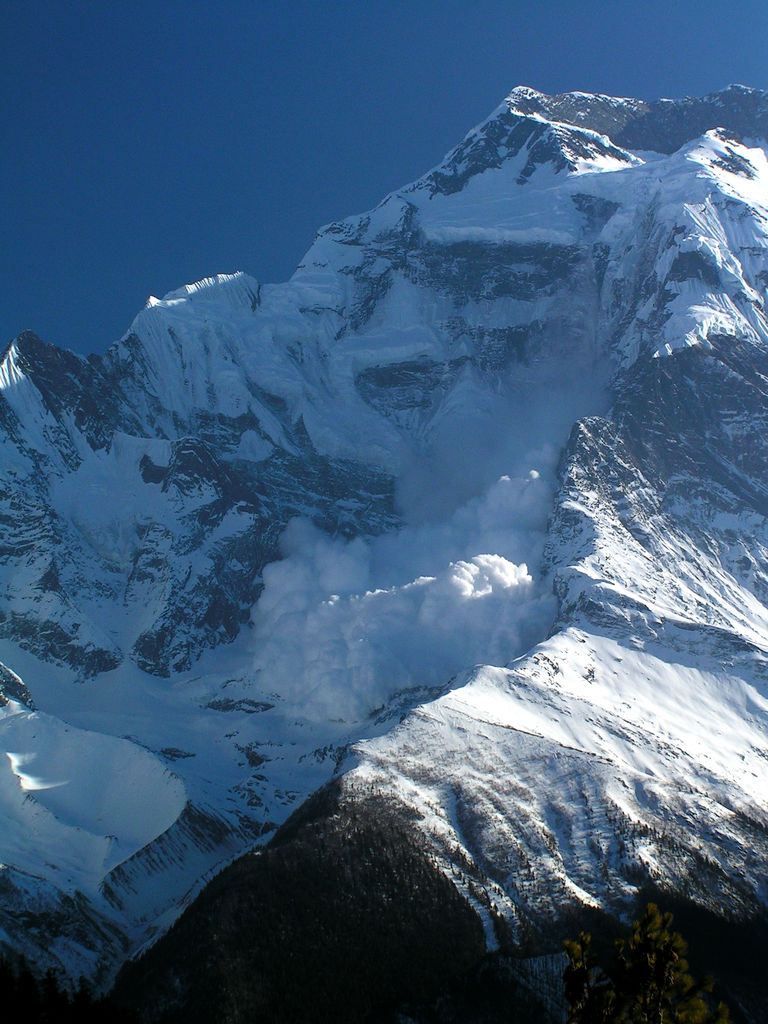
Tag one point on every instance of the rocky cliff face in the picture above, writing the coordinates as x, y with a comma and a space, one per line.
473, 509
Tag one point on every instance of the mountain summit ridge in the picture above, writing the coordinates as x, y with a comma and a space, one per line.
471, 510
639, 123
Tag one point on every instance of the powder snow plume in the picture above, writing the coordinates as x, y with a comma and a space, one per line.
342, 625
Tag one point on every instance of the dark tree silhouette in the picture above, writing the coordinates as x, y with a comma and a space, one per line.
650, 983
27, 999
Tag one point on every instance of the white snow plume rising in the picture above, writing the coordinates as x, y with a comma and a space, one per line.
341, 625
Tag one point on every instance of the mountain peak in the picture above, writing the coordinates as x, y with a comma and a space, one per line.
662, 125
749, 90
430, 514
522, 92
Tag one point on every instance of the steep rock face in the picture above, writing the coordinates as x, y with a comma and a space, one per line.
582, 279
165, 518
630, 745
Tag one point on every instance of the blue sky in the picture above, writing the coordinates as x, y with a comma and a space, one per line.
151, 144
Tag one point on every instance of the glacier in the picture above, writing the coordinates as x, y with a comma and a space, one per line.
472, 510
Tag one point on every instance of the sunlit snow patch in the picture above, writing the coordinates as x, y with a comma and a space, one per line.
75, 803
28, 781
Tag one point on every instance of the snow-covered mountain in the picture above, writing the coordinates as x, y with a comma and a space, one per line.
472, 509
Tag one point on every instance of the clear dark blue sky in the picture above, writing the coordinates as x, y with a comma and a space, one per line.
147, 144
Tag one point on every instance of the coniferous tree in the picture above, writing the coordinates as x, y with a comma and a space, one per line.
652, 976
54, 1001
26, 999
590, 994
651, 983
27, 993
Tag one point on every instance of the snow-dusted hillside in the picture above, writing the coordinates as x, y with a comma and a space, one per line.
473, 508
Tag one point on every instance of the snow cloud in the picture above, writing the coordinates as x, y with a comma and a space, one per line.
343, 625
